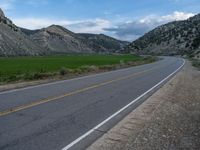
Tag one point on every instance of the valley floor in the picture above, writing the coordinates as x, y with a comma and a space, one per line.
19, 72
169, 119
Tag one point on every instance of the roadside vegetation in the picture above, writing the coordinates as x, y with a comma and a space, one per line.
14, 69
196, 63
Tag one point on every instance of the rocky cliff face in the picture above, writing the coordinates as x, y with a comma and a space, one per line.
175, 38
14, 42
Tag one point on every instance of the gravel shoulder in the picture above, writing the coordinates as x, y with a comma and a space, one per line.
169, 119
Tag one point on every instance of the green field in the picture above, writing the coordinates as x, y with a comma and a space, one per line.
29, 68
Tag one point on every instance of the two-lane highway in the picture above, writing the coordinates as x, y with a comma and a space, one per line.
71, 114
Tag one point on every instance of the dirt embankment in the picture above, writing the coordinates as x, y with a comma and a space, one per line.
170, 119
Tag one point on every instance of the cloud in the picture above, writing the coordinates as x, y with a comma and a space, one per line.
37, 23
134, 29
6, 4
129, 30
90, 25
177, 16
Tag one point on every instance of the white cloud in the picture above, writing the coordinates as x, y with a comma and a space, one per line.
90, 25
36, 23
6, 4
131, 30
177, 16
125, 30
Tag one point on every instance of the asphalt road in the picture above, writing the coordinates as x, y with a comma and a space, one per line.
61, 114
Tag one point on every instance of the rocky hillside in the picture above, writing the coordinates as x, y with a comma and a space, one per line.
175, 38
14, 42
103, 43
57, 39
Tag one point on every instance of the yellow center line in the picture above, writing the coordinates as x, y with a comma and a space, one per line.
36, 103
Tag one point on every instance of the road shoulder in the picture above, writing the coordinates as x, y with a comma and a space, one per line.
169, 119
91, 70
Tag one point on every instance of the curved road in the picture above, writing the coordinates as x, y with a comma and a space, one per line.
71, 114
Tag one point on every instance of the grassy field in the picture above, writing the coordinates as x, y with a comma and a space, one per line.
30, 68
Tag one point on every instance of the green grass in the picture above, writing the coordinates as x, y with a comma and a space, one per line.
29, 68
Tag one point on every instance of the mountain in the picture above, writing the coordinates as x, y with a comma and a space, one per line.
16, 41
13, 42
175, 38
57, 39
103, 43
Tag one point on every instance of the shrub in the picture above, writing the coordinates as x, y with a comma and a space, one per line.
41, 75
196, 63
12, 78
107, 67
63, 71
150, 59
36, 76
78, 71
28, 76
89, 68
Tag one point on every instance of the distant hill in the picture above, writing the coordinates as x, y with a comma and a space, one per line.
13, 42
16, 41
175, 38
58, 39
103, 43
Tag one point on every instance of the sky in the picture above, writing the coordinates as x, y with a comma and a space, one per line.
122, 19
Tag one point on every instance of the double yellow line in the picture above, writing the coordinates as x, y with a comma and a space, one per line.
36, 103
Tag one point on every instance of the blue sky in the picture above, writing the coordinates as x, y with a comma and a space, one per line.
122, 19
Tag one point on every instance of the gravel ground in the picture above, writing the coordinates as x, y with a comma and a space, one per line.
168, 120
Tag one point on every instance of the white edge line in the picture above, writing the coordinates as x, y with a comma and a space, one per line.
67, 80
118, 112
